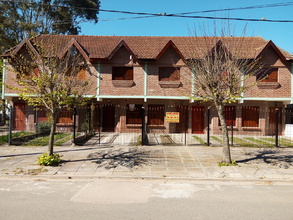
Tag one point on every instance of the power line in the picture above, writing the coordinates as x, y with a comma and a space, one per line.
179, 15
206, 17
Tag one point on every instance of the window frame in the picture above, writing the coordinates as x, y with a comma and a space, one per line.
156, 115
269, 75
230, 115
173, 72
129, 72
134, 117
250, 116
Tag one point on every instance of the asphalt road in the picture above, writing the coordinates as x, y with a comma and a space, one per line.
143, 199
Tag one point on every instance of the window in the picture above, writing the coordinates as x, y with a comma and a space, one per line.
65, 116
41, 114
122, 73
78, 73
250, 116
268, 75
134, 115
156, 114
81, 75
230, 115
169, 74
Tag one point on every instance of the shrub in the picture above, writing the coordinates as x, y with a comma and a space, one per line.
46, 160
44, 128
221, 164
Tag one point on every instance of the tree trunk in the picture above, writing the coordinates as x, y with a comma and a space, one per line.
226, 157
52, 133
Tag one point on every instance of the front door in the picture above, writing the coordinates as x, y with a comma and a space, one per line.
19, 116
197, 119
109, 118
272, 121
182, 126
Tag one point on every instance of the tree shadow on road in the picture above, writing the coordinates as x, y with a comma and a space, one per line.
273, 157
113, 158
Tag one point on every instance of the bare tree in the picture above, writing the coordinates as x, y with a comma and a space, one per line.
54, 81
220, 71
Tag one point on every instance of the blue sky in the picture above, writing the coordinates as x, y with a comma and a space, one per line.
279, 33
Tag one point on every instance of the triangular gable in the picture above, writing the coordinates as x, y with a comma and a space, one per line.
119, 45
166, 47
71, 43
223, 47
22, 44
275, 48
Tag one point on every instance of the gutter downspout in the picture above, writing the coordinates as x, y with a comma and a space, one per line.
291, 83
3, 79
192, 87
145, 87
98, 80
242, 86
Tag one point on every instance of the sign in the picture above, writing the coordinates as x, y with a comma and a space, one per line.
131, 107
172, 117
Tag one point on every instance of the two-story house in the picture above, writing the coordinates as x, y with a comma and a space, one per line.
131, 72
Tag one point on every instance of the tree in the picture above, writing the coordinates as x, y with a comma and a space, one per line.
221, 71
25, 19
45, 79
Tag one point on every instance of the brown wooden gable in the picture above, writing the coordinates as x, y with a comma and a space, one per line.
74, 43
166, 47
270, 46
121, 44
219, 46
25, 43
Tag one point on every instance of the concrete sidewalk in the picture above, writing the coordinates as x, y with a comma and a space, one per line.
170, 162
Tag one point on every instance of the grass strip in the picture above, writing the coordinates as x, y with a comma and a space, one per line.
282, 141
4, 138
200, 140
217, 139
243, 143
261, 142
63, 140
43, 141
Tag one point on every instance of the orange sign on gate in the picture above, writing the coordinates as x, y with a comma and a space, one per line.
172, 117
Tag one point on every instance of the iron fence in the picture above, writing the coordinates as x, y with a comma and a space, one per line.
248, 126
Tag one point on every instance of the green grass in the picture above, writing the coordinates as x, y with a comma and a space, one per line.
282, 141
4, 138
43, 141
243, 143
260, 142
286, 142
248, 141
21, 134
63, 140
217, 139
201, 141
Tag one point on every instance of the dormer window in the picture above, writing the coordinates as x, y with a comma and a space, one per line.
169, 77
122, 73
268, 79
122, 76
268, 75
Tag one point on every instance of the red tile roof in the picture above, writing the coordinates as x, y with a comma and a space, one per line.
144, 47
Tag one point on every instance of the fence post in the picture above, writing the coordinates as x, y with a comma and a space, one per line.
10, 126
100, 122
232, 131
277, 128
185, 129
143, 126
208, 127
37, 121
74, 124
89, 121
